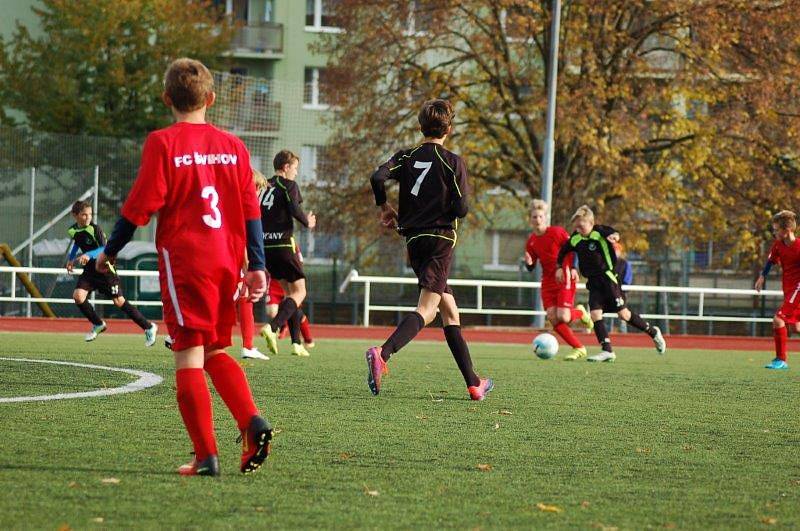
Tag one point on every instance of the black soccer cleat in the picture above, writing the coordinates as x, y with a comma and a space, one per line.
255, 444
207, 467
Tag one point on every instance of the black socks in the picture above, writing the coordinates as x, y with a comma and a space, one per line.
602, 335
460, 350
135, 315
636, 321
294, 325
408, 328
88, 311
286, 309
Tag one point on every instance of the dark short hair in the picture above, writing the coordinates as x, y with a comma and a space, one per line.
283, 158
436, 118
80, 206
188, 83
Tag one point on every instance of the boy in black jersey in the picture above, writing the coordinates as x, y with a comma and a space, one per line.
280, 206
90, 240
433, 195
597, 259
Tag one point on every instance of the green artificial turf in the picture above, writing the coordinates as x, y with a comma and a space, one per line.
693, 439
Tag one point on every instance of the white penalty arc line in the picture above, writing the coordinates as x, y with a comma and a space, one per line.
146, 379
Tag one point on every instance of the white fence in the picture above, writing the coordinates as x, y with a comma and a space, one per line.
479, 285
61, 271
354, 277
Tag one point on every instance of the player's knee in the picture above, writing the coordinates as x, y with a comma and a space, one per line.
119, 301
79, 298
624, 314
777, 322
597, 315
426, 313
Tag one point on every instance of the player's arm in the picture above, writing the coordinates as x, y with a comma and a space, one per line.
762, 278
146, 197
609, 233
458, 196
389, 170
73, 252
293, 199
530, 258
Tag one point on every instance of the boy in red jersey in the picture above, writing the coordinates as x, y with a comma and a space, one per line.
557, 297
198, 180
786, 252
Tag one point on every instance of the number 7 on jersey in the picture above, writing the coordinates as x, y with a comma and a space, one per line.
426, 167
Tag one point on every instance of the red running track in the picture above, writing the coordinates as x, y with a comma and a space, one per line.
377, 334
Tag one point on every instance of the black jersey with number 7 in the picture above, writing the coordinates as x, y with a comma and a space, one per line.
433, 187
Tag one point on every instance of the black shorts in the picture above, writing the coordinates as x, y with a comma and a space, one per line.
283, 262
605, 294
107, 284
430, 253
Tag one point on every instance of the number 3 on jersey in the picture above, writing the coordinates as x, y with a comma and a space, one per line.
215, 221
426, 167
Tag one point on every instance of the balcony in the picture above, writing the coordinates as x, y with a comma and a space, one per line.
258, 41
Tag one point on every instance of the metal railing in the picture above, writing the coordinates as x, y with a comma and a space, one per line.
479, 285
262, 38
61, 271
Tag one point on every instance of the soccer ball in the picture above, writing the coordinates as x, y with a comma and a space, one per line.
545, 346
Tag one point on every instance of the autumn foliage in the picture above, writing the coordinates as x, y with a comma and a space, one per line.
674, 117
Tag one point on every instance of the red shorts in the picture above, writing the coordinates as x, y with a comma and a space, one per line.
183, 338
556, 295
275, 293
789, 311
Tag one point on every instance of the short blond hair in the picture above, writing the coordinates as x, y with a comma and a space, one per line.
259, 180
785, 219
539, 204
583, 212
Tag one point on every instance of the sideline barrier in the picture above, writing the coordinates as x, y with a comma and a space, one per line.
701, 293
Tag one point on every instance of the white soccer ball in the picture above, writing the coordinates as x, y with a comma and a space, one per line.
545, 346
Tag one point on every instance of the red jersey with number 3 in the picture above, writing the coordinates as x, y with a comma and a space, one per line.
544, 248
198, 179
788, 257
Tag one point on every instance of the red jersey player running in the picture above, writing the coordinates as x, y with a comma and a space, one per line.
786, 252
198, 180
557, 297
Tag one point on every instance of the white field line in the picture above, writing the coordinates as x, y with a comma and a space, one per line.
146, 379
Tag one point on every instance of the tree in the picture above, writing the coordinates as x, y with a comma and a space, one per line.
97, 68
673, 116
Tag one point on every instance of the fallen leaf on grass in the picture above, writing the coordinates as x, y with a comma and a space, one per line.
260, 509
688, 447
421, 417
73, 484
769, 520
643, 450
484, 467
545, 508
496, 426
505, 412
670, 525
110, 481
435, 399
98, 520
369, 492
604, 527
64, 527
585, 504
344, 456
794, 482
276, 431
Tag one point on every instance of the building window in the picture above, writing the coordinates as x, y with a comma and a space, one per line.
504, 249
314, 94
320, 15
419, 17
315, 165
